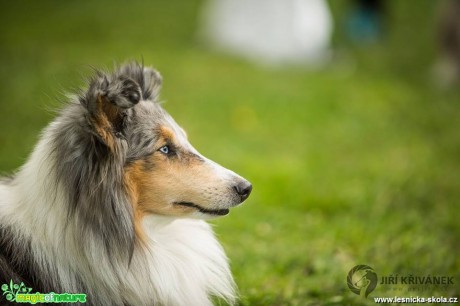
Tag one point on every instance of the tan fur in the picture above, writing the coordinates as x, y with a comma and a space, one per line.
107, 114
131, 178
154, 189
166, 134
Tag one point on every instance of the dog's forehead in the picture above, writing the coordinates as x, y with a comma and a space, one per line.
152, 117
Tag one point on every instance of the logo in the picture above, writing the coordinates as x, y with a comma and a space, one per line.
13, 289
21, 294
362, 280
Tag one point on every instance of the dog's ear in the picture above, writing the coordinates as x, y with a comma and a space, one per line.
148, 79
108, 100
152, 84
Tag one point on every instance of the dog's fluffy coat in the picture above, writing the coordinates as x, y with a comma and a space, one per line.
103, 206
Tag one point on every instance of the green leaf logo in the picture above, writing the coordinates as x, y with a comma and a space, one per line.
13, 289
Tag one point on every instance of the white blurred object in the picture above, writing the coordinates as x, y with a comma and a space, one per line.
270, 31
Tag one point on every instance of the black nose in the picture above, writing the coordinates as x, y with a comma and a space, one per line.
243, 189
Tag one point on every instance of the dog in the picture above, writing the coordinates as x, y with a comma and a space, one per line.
112, 202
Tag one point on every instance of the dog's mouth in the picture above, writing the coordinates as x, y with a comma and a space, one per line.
215, 212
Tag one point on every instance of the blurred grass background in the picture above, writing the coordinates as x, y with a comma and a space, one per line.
357, 163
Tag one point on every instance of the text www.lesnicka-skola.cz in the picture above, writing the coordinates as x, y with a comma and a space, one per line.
416, 300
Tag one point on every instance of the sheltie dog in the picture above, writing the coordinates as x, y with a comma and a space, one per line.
112, 200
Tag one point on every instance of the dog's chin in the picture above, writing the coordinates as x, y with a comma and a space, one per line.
204, 212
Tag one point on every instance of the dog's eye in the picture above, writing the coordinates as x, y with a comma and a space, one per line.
165, 149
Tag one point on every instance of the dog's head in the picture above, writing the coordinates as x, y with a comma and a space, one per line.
162, 172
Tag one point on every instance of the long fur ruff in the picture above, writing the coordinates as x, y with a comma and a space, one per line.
67, 219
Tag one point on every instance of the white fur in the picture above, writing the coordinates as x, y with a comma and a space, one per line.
181, 264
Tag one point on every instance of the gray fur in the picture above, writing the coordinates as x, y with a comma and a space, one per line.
76, 174
90, 171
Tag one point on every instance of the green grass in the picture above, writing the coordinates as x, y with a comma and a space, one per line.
357, 163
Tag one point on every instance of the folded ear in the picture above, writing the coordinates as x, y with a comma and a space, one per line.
107, 100
148, 79
152, 84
